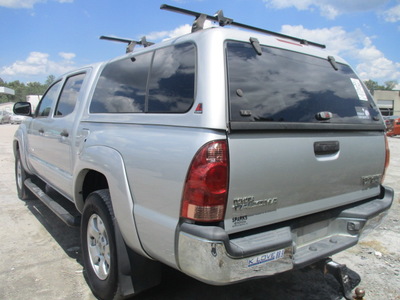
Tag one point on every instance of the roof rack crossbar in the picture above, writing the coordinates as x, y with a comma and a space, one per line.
131, 43
222, 21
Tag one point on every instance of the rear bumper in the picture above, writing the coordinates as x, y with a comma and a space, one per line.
210, 255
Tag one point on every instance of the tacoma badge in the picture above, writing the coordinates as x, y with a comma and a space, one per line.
249, 202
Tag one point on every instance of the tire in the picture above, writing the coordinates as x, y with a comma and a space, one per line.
99, 247
20, 176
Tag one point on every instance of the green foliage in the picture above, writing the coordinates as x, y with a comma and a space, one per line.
373, 85
22, 90
389, 85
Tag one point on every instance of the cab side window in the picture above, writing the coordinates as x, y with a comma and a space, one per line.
44, 107
69, 95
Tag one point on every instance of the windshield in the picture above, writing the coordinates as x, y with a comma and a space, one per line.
286, 86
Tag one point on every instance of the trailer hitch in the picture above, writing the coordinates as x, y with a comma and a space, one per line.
347, 278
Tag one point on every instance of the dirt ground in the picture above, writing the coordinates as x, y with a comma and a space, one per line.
40, 256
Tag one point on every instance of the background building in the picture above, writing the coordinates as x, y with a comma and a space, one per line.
8, 105
388, 102
8, 91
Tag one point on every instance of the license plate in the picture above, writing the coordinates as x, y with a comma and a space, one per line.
264, 258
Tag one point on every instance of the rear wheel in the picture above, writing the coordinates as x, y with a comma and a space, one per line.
98, 245
20, 176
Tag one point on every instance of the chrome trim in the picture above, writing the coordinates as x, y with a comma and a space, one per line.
209, 261
209, 254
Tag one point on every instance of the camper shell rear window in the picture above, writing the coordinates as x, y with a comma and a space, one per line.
281, 86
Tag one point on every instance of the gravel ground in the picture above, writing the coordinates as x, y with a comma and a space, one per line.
377, 257
40, 256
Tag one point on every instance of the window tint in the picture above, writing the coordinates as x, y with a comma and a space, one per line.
44, 107
285, 86
171, 87
122, 86
69, 95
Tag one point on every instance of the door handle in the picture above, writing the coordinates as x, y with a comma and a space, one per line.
64, 133
326, 148
41, 131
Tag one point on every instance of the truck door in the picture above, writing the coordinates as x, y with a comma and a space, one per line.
52, 135
37, 136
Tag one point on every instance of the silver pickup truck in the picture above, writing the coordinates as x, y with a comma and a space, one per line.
226, 154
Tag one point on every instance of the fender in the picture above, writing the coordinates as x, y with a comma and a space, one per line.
109, 162
20, 137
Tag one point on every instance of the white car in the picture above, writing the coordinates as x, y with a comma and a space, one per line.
4, 117
16, 119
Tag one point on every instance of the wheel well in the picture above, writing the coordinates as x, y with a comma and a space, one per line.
16, 147
93, 181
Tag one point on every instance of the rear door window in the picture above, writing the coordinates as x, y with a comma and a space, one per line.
284, 86
69, 95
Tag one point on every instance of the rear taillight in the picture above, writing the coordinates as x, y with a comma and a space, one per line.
387, 158
206, 187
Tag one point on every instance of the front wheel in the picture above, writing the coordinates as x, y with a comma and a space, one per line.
98, 245
20, 176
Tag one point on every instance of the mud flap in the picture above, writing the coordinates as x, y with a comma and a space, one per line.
348, 279
135, 272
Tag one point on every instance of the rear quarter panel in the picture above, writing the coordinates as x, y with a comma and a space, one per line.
155, 161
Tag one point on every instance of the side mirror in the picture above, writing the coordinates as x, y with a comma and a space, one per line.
22, 109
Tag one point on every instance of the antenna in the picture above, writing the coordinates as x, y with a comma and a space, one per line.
131, 43
222, 21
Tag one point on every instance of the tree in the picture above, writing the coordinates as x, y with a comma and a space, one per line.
22, 90
373, 85
50, 79
389, 85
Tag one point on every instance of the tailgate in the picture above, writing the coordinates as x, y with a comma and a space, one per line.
305, 135
280, 176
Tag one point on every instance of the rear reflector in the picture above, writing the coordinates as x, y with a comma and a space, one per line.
387, 158
206, 187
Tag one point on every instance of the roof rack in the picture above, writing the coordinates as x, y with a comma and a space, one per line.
131, 43
219, 17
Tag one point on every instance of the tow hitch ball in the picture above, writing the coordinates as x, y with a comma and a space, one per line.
347, 279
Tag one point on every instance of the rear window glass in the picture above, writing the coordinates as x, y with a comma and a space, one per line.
161, 81
285, 86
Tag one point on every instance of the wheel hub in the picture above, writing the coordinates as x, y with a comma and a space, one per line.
98, 247
19, 174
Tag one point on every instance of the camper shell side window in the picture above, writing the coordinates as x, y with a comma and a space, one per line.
161, 81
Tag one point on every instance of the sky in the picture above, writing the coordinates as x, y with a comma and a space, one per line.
39, 38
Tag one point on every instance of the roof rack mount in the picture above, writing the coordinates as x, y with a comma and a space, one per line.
219, 17
131, 43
